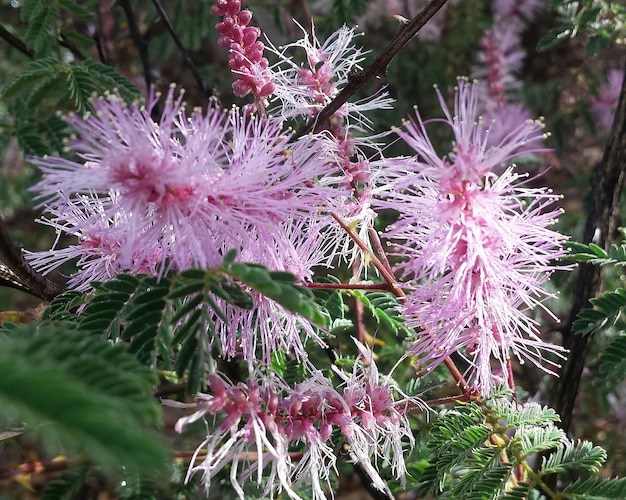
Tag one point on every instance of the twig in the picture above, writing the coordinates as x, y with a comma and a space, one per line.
384, 272
138, 40
206, 92
71, 46
16, 42
30, 279
377, 69
374, 238
398, 292
35, 467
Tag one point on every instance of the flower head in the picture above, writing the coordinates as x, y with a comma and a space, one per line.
477, 246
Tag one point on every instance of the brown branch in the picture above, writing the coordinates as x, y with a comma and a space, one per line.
377, 69
398, 292
138, 40
206, 92
21, 272
606, 189
64, 41
16, 42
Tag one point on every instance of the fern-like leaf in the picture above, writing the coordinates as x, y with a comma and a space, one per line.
82, 392
595, 489
613, 361
574, 456
607, 310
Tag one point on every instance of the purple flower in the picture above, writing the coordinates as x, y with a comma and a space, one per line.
245, 57
477, 247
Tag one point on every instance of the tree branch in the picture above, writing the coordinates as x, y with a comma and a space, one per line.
19, 273
16, 42
206, 92
606, 189
377, 69
138, 40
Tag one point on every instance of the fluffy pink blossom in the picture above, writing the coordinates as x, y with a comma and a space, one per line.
287, 433
604, 106
477, 246
147, 196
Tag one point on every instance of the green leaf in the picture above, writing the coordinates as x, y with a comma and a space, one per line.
67, 485
80, 391
285, 293
40, 29
595, 489
77, 9
574, 456
613, 360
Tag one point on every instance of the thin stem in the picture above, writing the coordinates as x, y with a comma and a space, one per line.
16, 42
377, 69
398, 292
359, 309
206, 92
30, 279
138, 40
374, 238
384, 272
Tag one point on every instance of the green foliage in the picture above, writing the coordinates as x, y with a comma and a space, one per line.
475, 449
608, 309
593, 254
67, 485
595, 489
613, 361
280, 287
173, 319
346, 11
80, 393
574, 456
603, 22
384, 307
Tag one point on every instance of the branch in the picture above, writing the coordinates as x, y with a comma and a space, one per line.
377, 69
138, 40
398, 292
606, 189
20, 273
16, 42
188, 61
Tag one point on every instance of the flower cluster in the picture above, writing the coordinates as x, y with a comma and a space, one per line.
246, 59
477, 246
269, 429
145, 196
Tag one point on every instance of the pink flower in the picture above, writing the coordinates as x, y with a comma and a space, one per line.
189, 186
245, 59
604, 106
304, 89
288, 433
477, 246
